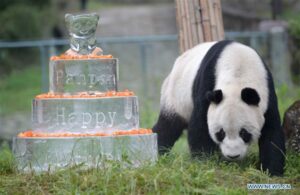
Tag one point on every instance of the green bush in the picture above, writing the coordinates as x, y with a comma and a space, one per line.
18, 22
294, 27
294, 32
4, 4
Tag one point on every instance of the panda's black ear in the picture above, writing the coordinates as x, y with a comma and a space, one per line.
250, 96
215, 96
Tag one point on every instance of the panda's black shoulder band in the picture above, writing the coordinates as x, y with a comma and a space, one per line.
205, 78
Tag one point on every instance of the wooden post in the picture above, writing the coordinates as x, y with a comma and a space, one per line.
198, 21
280, 62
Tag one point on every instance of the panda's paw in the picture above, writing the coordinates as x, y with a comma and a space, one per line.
275, 172
163, 150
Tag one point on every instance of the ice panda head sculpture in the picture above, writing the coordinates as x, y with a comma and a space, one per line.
224, 95
234, 120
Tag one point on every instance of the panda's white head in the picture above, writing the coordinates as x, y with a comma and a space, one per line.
234, 120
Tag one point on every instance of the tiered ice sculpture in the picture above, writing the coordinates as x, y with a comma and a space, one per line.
84, 119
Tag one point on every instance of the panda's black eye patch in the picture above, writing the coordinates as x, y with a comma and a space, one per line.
245, 135
215, 96
250, 96
220, 135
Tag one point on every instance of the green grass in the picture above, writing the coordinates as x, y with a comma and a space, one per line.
286, 97
176, 173
18, 89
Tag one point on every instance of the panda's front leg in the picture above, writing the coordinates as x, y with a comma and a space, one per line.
169, 127
199, 139
272, 145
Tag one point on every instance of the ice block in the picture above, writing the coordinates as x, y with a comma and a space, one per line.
84, 120
50, 154
86, 115
73, 76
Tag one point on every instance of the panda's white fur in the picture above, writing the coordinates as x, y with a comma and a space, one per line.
236, 69
176, 91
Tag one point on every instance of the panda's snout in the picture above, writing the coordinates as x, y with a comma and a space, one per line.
233, 149
233, 157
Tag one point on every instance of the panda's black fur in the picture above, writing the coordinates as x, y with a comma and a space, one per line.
169, 126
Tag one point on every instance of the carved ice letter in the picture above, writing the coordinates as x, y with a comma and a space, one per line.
86, 119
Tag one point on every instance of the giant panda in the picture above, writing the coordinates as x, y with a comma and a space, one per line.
223, 94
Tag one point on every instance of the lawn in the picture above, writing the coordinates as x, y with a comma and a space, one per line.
176, 173
18, 89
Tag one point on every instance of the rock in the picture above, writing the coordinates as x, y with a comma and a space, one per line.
291, 126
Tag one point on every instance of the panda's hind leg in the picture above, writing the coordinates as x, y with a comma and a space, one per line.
169, 127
